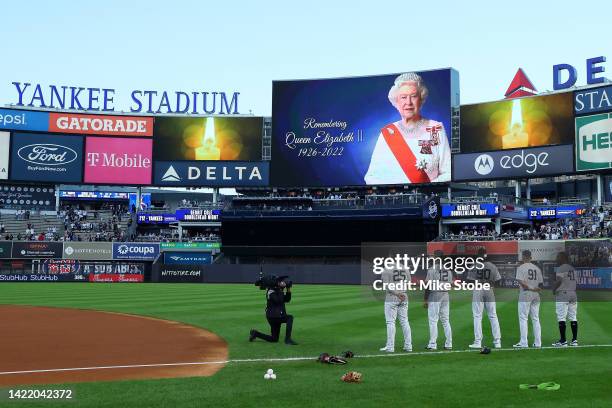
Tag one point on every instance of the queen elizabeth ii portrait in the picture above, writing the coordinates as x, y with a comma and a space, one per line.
413, 149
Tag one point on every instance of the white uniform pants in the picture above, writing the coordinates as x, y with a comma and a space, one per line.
566, 306
438, 309
485, 300
529, 305
393, 311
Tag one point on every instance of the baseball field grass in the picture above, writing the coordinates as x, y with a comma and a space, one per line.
334, 319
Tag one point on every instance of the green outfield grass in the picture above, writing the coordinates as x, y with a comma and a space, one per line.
333, 319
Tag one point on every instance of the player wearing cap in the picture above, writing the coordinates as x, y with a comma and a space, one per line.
437, 305
566, 303
396, 307
485, 300
530, 280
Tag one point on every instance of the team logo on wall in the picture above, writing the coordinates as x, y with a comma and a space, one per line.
593, 143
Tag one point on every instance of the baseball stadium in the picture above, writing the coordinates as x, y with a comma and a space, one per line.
372, 240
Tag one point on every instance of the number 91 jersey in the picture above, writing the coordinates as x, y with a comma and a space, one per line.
530, 274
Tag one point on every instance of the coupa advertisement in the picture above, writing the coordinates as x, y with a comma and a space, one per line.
388, 129
135, 251
44, 157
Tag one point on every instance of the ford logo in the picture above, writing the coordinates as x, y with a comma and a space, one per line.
47, 154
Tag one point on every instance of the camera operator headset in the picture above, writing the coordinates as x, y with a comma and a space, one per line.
275, 309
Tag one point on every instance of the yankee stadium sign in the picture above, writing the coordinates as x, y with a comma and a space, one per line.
145, 101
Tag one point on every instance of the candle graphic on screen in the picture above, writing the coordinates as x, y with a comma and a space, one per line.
208, 150
516, 137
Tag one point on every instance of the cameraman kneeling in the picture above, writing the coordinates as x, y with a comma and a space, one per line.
276, 314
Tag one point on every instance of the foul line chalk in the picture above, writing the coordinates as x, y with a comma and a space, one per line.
285, 359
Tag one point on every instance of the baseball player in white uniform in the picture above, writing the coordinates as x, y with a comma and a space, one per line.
485, 300
396, 307
530, 280
437, 304
566, 303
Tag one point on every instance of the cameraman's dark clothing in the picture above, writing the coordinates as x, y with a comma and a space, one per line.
277, 315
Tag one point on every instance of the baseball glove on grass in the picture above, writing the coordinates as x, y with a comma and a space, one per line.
352, 377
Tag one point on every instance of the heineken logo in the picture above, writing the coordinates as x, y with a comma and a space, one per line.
594, 142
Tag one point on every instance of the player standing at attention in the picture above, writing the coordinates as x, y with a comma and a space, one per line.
566, 301
396, 306
485, 299
530, 280
437, 304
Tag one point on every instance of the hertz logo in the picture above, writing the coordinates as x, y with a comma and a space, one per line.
483, 164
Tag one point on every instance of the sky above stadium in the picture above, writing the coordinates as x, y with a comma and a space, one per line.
244, 45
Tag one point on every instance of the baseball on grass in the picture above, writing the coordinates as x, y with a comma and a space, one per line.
273, 376
270, 371
267, 376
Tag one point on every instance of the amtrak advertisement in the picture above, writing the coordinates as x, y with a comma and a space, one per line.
534, 162
388, 129
44, 157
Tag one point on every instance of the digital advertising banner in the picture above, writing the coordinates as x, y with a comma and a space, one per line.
469, 210
189, 245
212, 174
118, 160
5, 145
37, 249
46, 157
209, 138
187, 258
88, 250
388, 129
514, 163
516, 123
135, 251
593, 100
70, 270
100, 124
594, 142
24, 120
558, 212
22, 196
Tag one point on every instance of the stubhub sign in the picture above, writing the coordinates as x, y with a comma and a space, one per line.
135, 251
